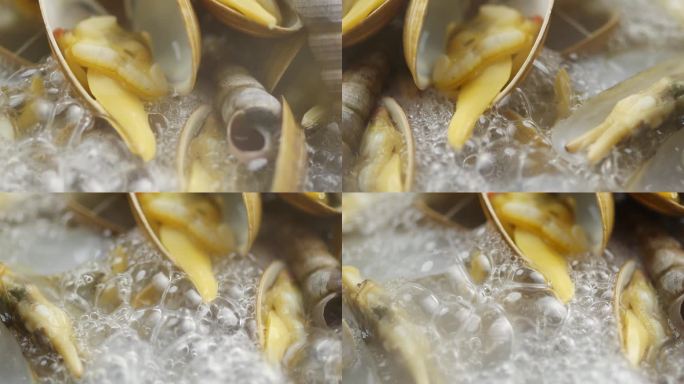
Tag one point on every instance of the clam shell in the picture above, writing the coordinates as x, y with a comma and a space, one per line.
421, 50
203, 115
176, 50
373, 23
268, 279
596, 110
660, 204
403, 126
622, 280
234, 19
313, 206
106, 211
581, 27
594, 212
280, 59
242, 211
291, 164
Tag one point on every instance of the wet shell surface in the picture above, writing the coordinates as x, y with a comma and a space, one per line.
372, 23
425, 35
670, 206
231, 17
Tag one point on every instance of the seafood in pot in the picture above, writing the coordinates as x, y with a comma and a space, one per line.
546, 229
641, 325
390, 326
115, 70
315, 203
27, 308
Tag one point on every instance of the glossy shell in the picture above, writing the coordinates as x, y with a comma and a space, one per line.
373, 23
422, 46
268, 279
242, 211
291, 163
623, 279
313, 206
234, 19
171, 28
660, 204
595, 213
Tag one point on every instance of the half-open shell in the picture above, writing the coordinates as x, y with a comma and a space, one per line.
315, 203
594, 212
291, 163
242, 211
291, 21
581, 27
172, 26
373, 23
425, 35
660, 203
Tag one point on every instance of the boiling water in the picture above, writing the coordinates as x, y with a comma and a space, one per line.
179, 339
507, 329
71, 149
501, 155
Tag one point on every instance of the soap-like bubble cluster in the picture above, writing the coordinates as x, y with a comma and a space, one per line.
508, 328
176, 338
511, 145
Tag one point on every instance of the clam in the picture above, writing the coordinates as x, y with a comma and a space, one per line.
646, 100
581, 27
390, 327
261, 18
667, 203
641, 325
315, 203
315, 268
107, 211
544, 229
291, 164
386, 161
174, 43
279, 314
663, 257
485, 58
364, 18
26, 308
189, 229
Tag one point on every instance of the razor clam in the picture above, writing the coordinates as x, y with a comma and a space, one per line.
646, 100
361, 21
663, 256
361, 88
27, 309
641, 325
591, 217
316, 270
315, 203
175, 45
260, 18
188, 228
251, 114
667, 203
581, 27
386, 160
389, 326
322, 20
279, 315
426, 33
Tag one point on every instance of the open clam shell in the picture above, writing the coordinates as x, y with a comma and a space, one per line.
595, 110
315, 203
291, 163
661, 203
461, 210
107, 211
594, 212
291, 22
373, 23
171, 25
242, 211
407, 152
581, 27
425, 35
